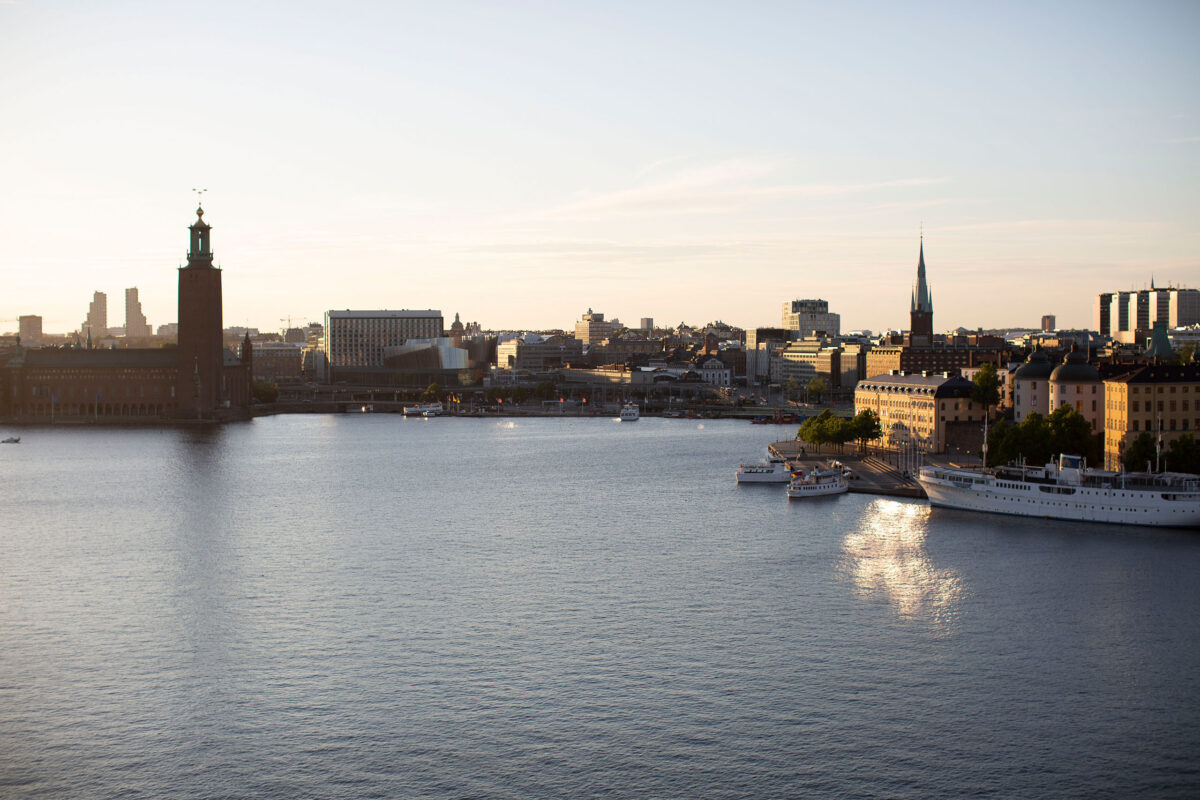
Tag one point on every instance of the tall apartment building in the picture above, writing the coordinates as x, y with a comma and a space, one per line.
1121, 315
811, 317
96, 322
358, 338
30, 330
136, 326
593, 329
1049, 323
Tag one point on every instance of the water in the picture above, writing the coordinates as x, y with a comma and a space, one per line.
369, 606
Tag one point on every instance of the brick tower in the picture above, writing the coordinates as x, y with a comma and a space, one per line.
198, 390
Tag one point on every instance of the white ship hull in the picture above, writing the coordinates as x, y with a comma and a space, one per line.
817, 484
773, 471
976, 491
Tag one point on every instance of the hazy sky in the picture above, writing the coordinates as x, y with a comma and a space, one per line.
521, 162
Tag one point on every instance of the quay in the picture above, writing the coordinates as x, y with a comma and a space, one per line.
871, 474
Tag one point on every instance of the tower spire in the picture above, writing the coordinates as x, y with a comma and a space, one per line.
922, 301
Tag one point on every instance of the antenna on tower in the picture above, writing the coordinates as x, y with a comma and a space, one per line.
199, 195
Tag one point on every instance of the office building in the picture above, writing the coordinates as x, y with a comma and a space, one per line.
593, 329
810, 318
358, 338
29, 328
1048, 323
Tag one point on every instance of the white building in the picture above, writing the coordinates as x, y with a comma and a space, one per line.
1120, 315
810, 317
358, 338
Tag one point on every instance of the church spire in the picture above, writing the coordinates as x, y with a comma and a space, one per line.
922, 299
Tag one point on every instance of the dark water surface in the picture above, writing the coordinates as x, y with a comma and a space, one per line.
369, 606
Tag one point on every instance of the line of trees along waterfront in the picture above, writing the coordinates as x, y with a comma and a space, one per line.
828, 429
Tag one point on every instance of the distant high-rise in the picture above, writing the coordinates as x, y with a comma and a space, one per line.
593, 329
96, 322
809, 317
647, 324
136, 326
1122, 315
1049, 323
30, 330
921, 315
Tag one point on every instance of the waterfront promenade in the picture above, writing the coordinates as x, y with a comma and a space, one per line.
872, 473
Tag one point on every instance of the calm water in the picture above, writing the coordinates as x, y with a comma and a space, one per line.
368, 606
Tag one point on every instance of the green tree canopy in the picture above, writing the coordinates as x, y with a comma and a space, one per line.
987, 387
265, 391
817, 386
1140, 454
1038, 439
1183, 454
433, 392
546, 390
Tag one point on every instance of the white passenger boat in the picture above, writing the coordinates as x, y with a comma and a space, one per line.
817, 482
630, 412
773, 470
1067, 489
422, 410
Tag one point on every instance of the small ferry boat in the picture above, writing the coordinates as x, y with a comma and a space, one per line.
816, 483
1067, 489
630, 412
420, 410
773, 470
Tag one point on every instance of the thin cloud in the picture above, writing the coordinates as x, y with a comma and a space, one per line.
1184, 140
716, 188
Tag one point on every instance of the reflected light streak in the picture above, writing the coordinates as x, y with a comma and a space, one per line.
886, 558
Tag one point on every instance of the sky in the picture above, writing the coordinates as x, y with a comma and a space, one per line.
522, 162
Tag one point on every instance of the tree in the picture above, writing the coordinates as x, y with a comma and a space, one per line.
1140, 454
986, 391
1071, 433
866, 426
1183, 454
815, 430
817, 386
791, 386
265, 391
545, 390
433, 393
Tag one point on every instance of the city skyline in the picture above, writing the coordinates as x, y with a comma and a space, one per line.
520, 164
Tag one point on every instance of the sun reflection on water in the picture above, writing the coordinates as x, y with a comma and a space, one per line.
886, 558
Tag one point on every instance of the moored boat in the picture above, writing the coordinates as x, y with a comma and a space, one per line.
1067, 489
420, 410
11, 440
816, 483
773, 470
630, 412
